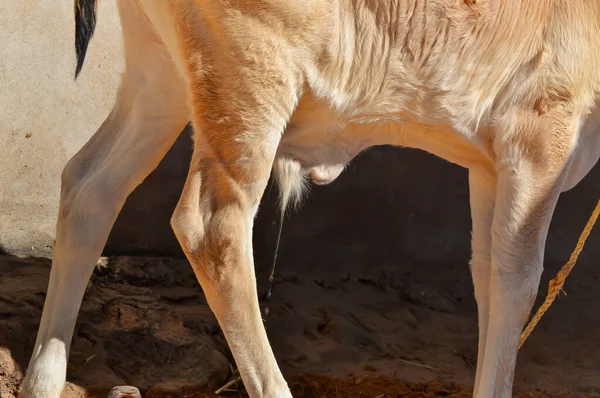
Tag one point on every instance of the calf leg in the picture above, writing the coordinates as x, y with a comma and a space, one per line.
150, 112
239, 116
482, 190
529, 182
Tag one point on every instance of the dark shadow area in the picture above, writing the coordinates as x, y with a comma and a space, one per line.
399, 203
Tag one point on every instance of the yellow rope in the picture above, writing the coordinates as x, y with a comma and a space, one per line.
556, 284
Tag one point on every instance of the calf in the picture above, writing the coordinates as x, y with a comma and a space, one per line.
299, 88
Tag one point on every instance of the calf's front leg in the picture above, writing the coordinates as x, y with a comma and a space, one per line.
530, 179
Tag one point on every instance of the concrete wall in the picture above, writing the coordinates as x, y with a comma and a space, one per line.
390, 204
45, 116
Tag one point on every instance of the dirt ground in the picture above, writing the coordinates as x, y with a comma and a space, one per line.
357, 330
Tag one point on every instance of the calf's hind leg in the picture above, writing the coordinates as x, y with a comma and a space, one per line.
150, 112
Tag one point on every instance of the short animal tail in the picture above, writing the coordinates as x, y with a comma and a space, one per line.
85, 23
292, 183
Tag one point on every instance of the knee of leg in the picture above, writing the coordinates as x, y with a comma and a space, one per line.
90, 201
70, 176
519, 276
89, 195
188, 227
215, 241
75, 175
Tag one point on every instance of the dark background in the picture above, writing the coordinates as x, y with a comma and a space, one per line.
390, 204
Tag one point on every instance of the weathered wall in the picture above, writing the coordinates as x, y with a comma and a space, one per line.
390, 204
45, 116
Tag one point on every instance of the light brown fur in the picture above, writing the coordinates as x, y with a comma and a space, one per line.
301, 87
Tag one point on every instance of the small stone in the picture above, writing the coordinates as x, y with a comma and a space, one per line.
124, 392
359, 380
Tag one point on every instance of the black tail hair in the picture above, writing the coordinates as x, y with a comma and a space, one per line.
85, 23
